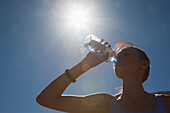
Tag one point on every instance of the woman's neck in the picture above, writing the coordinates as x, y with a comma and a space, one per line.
133, 89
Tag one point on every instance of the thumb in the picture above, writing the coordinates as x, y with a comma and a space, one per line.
106, 55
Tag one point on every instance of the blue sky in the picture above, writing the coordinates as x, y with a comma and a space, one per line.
37, 44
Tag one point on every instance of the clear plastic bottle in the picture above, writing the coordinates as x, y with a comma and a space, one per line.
94, 44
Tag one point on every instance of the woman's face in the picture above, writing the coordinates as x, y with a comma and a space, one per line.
129, 63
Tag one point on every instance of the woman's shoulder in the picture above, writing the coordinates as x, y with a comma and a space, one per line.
117, 95
165, 97
162, 93
166, 101
105, 97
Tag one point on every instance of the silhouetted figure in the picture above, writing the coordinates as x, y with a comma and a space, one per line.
133, 68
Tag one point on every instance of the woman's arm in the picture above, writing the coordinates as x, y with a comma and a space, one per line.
57, 87
51, 96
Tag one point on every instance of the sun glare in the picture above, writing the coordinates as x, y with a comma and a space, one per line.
78, 16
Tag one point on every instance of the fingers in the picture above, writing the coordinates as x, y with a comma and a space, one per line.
102, 40
105, 43
106, 56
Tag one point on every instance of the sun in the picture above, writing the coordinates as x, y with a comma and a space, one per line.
78, 17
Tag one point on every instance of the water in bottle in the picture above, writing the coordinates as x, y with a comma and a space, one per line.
94, 44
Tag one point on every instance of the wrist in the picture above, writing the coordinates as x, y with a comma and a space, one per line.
85, 66
79, 69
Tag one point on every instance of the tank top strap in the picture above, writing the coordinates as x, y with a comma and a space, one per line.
160, 105
115, 108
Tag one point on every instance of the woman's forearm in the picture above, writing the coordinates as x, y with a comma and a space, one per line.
58, 86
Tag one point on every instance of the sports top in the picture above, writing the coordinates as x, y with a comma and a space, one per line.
115, 108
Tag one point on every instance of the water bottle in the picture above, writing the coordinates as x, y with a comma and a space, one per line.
94, 44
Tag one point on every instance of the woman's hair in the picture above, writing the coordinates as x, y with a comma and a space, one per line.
143, 56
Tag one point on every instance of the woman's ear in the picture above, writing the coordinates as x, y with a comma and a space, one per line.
145, 64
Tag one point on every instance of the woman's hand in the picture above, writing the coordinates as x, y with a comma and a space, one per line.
92, 59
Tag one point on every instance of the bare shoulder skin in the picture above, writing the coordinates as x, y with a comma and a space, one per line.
95, 103
166, 102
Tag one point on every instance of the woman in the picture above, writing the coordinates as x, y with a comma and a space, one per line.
133, 68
